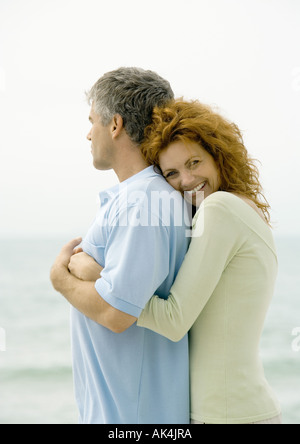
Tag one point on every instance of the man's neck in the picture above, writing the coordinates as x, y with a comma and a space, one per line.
130, 166
128, 159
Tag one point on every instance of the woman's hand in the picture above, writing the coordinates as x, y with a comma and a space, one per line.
84, 267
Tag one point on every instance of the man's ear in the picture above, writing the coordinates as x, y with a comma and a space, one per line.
117, 125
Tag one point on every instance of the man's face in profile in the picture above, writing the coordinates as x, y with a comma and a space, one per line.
101, 142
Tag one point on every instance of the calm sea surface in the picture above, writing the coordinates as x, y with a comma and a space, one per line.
36, 384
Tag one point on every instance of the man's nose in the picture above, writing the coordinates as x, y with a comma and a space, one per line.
89, 136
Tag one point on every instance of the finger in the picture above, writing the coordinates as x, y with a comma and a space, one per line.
73, 244
68, 249
78, 250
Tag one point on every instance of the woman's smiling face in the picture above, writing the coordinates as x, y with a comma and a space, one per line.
190, 169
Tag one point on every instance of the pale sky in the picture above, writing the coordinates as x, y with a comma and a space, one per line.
240, 55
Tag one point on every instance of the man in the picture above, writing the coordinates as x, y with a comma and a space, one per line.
135, 376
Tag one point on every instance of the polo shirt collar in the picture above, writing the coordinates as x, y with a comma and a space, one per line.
114, 190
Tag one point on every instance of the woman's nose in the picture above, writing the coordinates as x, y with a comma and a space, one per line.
187, 179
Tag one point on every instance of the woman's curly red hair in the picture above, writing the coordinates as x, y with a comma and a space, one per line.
194, 122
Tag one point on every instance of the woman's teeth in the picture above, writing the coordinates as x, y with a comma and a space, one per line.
197, 188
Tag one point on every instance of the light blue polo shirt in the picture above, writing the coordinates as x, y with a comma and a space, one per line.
140, 238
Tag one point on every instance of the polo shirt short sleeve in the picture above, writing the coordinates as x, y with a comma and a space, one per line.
137, 260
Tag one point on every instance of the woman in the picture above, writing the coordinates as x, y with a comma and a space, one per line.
225, 285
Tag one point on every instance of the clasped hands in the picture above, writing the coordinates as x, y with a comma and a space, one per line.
83, 266
73, 274
73, 260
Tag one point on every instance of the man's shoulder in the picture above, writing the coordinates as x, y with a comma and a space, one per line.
156, 185
150, 199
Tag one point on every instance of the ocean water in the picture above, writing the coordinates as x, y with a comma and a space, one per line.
36, 384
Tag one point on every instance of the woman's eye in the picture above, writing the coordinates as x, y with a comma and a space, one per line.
194, 162
170, 174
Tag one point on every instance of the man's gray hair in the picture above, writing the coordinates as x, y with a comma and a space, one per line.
132, 93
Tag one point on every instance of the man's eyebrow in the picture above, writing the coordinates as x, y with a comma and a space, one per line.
90, 119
